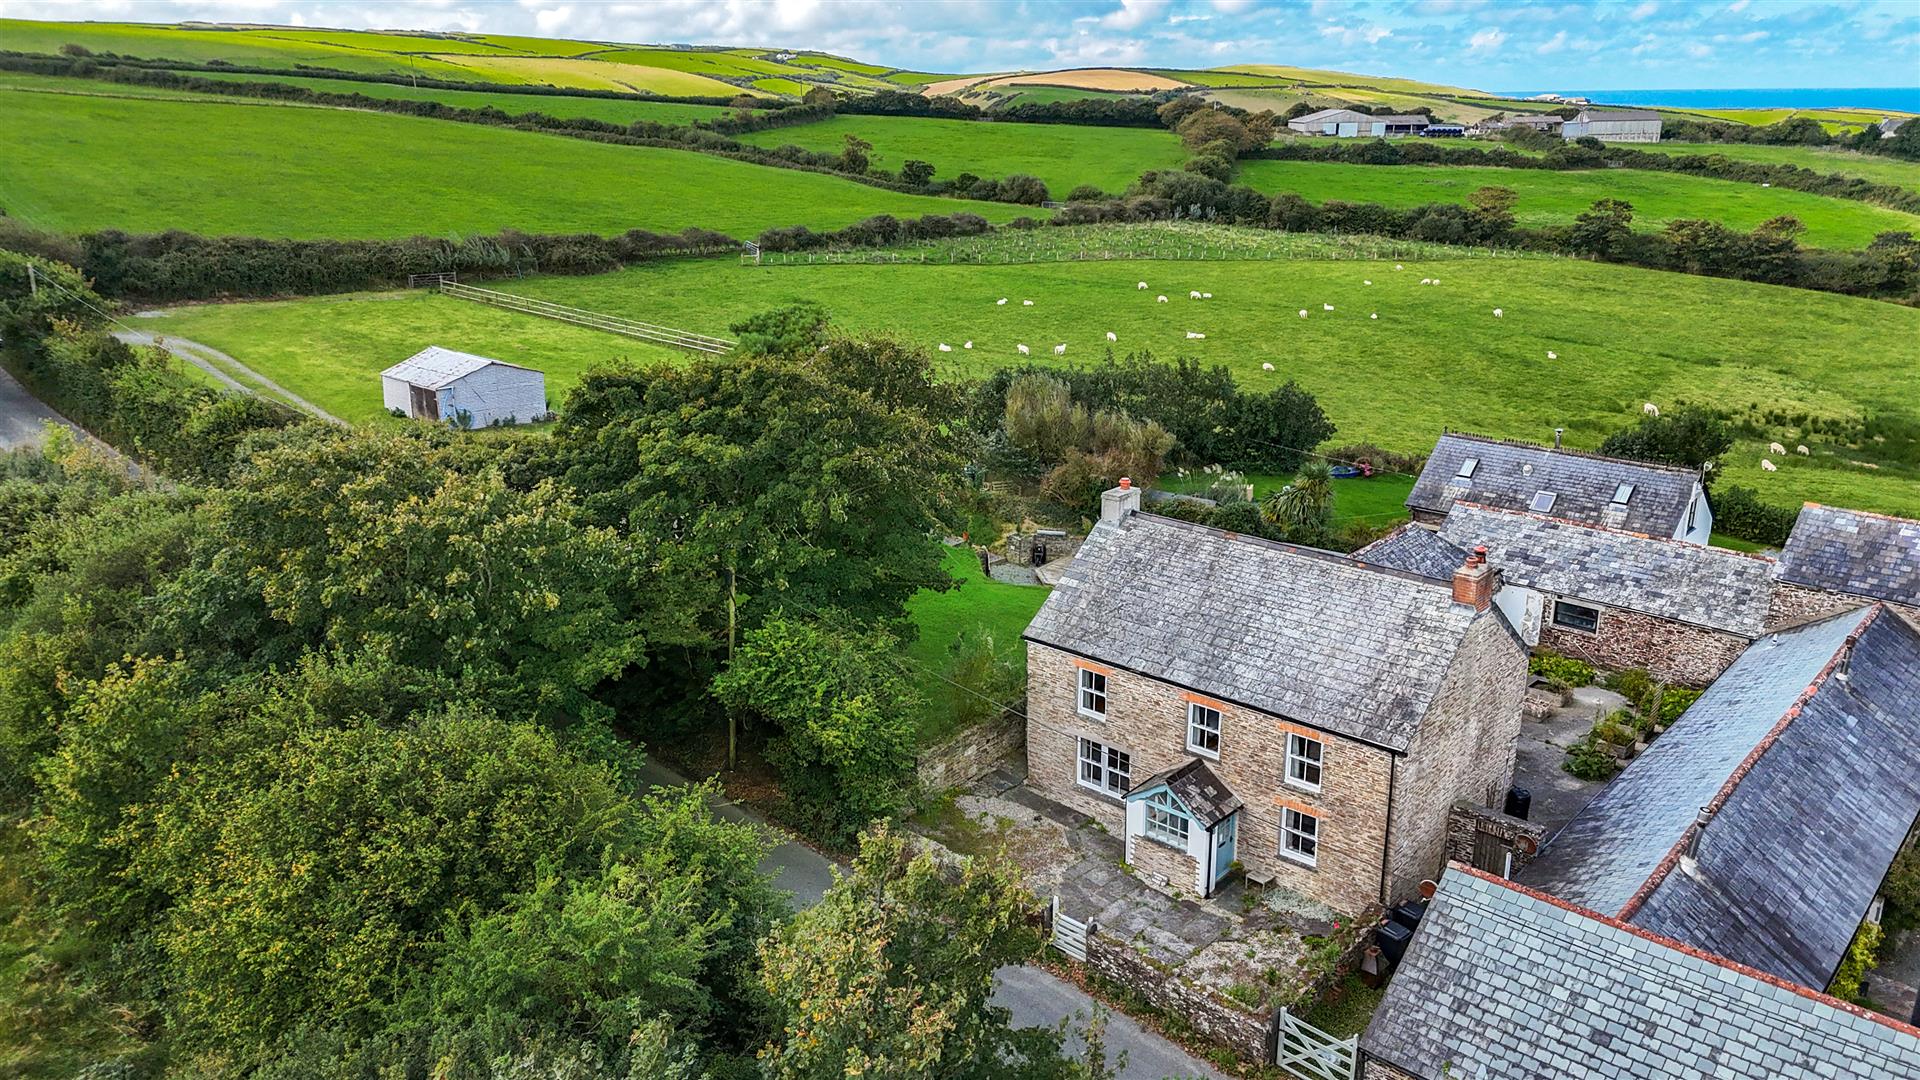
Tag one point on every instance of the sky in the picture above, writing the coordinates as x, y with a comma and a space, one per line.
1484, 44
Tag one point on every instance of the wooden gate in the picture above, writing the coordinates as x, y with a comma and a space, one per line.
1069, 935
1307, 1053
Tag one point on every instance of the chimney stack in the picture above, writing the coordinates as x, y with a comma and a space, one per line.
1473, 582
1557, 432
1117, 503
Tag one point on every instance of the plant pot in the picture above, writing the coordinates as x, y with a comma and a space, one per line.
1372, 967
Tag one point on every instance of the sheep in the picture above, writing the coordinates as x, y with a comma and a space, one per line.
1193, 336
1426, 281
1002, 302
1194, 294
1026, 303
1498, 314
1768, 465
1650, 408
1436, 281
1142, 285
1206, 296
1375, 315
968, 345
1266, 367
1326, 307
1775, 448
1366, 283
1303, 313
1551, 355
1023, 349
1059, 350
1803, 451
1160, 299
1397, 266
944, 347
1111, 336
1766, 185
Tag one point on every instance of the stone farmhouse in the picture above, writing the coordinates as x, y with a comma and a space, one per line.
1614, 125
1348, 124
1686, 922
1591, 489
1506, 981
1217, 699
446, 385
1837, 559
1613, 598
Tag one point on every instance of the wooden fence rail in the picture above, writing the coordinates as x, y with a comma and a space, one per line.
612, 324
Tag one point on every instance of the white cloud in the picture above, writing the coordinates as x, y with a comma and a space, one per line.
1699, 51
1645, 10
1738, 5
1231, 7
1552, 45
1364, 34
1133, 14
1486, 41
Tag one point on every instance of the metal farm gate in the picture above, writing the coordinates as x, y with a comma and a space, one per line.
1069, 935
1307, 1053
612, 324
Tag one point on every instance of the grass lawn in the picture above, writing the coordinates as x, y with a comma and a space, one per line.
78, 163
344, 50
1821, 159
591, 73
612, 110
1435, 357
1555, 198
1003, 610
1063, 155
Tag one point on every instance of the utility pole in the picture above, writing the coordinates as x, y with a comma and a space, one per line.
733, 721
33, 281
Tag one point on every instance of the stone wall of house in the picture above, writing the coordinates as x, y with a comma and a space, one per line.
1171, 871
1671, 651
1467, 819
1214, 1015
1148, 720
969, 754
1464, 751
1791, 604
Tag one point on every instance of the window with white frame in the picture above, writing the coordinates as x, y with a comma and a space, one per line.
1105, 769
1093, 694
1203, 729
1299, 836
1166, 821
1576, 616
1303, 761
1543, 502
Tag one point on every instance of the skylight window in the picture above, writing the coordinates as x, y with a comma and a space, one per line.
1543, 501
1467, 467
1621, 494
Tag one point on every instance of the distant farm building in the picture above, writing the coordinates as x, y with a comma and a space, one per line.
1348, 124
1614, 125
464, 389
1544, 122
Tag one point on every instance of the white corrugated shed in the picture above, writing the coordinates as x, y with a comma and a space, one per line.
439, 384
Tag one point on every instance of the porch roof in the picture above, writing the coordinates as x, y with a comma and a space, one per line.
1205, 795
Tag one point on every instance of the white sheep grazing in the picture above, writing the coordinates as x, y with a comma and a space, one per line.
1023, 349
1650, 408
1375, 315
1266, 367
1366, 283
1803, 451
1326, 307
1397, 266
1206, 296
1775, 448
1191, 336
1142, 285
1426, 281
1002, 302
1026, 303
1436, 281
1766, 185
1161, 299
1551, 355
1498, 314
968, 345
1194, 294
1111, 336
944, 347
1059, 350
1303, 313
1768, 465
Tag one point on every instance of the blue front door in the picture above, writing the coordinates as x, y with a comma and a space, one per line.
1223, 835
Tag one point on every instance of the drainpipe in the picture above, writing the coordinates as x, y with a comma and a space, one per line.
1393, 770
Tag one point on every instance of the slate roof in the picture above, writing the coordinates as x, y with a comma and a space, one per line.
1195, 785
1415, 549
1309, 635
1807, 751
1501, 979
1592, 115
1668, 579
1510, 474
434, 367
1329, 114
1854, 552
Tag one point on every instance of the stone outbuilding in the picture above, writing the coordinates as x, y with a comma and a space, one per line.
1837, 559
1216, 699
459, 388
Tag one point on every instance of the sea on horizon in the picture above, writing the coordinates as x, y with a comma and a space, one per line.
1905, 99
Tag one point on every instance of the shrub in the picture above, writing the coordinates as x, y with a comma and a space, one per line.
1862, 953
1902, 890
1619, 728
1562, 668
1588, 761
1634, 684
983, 675
1738, 511
1675, 700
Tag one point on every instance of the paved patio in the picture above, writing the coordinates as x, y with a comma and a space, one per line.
1557, 794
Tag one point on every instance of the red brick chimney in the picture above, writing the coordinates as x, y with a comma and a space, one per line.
1473, 582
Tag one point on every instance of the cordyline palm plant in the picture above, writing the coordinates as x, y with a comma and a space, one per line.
1305, 507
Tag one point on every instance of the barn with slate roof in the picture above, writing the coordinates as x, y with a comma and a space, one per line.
463, 389
1836, 559
1309, 715
1618, 493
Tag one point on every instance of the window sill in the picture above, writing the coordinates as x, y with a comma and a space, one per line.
1297, 860
1210, 755
1084, 786
1301, 786
1100, 716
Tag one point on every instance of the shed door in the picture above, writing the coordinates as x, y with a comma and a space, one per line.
425, 402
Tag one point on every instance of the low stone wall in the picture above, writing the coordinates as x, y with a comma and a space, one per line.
1374, 1069
1466, 821
1214, 1015
1019, 547
969, 754
1674, 652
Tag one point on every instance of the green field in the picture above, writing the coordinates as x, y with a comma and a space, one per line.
1063, 155
1001, 609
1555, 198
1883, 170
612, 110
1436, 357
344, 50
85, 163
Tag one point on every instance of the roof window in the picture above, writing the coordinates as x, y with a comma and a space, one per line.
1621, 494
1543, 501
1467, 467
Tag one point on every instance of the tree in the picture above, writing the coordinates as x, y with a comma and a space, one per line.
1492, 210
796, 328
845, 712
1599, 232
1689, 436
854, 154
916, 173
1022, 188
892, 972
820, 95
1304, 508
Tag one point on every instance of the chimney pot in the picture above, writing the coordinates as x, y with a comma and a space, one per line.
1126, 482
1557, 432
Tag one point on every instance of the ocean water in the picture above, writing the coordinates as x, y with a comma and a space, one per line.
1888, 98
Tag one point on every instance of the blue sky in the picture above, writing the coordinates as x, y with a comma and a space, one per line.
1486, 44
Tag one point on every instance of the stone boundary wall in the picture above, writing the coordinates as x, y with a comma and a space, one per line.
1019, 547
1467, 820
970, 753
1214, 1015
1674, 652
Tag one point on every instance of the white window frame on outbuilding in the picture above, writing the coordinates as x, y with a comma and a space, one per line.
1093, 694
1299, 836
1167, 821
1203, 726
